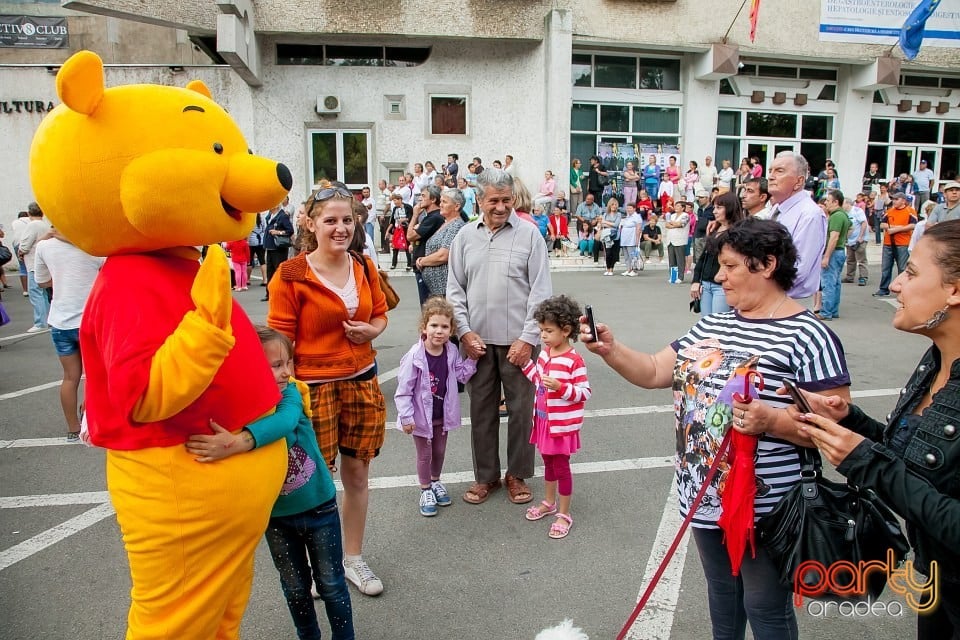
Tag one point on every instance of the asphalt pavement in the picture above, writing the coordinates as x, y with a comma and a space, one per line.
472, 572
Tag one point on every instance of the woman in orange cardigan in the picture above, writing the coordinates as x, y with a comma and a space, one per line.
323, 301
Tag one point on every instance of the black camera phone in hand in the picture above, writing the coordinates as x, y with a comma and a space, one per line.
798, 398
588, 311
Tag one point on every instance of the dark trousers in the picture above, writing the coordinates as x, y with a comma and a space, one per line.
396, 253
275, 258
891, 254
677, 255
597, 246
305, 541
494, 371
755, 596
422, 289
611, 254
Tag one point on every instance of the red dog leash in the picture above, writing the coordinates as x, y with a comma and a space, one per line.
711, 474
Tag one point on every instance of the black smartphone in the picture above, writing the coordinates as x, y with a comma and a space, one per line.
588, 311
798, 398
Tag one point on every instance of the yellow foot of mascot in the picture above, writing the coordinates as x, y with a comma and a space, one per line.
143, 174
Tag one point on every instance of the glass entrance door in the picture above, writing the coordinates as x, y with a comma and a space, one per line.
767, 150
902, 160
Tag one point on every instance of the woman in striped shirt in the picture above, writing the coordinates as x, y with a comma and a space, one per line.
766, 332
560, 377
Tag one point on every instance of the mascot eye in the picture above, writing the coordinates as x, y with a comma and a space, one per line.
250, 151
217, 147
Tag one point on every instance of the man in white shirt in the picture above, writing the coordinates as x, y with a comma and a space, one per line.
856, 243
58, 262
35, 231
802, 217
922, 179
708, 174
508, 165
405, 188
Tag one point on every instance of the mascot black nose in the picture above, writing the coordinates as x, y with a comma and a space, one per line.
283, 174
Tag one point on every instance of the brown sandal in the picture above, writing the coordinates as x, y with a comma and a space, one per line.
480, 491
518, 490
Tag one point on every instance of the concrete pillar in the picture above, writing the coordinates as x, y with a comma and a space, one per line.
698, 126
851, 129
557, 96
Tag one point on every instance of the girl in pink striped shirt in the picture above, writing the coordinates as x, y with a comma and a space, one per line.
560, 377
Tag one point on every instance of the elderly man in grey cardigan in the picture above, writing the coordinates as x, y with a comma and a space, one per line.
498, 273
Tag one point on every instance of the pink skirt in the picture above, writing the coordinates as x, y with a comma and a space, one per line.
567, 444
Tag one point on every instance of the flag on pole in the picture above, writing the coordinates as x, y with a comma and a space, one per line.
754, 14
911, 34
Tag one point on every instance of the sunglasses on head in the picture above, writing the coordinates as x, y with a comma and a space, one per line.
337, 188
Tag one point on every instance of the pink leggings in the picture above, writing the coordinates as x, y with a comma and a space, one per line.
430, 454
557, 469
240, 271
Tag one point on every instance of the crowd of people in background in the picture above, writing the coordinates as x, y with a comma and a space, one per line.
769, 244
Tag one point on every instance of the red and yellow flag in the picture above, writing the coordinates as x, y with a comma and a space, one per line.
754, 15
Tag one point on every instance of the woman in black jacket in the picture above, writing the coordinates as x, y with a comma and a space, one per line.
727, 211
913, 461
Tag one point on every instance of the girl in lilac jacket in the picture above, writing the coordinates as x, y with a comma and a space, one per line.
427, 402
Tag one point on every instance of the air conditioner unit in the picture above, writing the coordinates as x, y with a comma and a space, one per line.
328, 104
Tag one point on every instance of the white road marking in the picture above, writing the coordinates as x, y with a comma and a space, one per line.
655, 622
29, 390
42, 540
17, 336
54, 499
389, 375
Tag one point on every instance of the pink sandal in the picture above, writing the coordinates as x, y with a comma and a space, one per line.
542, 510
561, 527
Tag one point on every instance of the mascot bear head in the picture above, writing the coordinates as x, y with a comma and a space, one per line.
138, 168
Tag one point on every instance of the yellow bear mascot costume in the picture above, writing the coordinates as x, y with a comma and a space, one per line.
143, 174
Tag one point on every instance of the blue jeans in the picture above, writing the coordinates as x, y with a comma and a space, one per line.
39, 300
712, 299
313, 535
891, 254
755, 595
830, 281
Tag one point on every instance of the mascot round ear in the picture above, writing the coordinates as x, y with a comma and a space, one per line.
80, 82
199, 87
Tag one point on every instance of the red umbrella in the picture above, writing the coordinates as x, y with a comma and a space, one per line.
740, 488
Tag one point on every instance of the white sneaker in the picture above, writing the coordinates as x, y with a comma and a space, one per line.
38, 329
631, 274
363, 578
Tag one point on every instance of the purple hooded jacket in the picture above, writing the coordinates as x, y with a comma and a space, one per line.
413, 398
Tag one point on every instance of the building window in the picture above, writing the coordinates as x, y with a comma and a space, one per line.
351, 56
663, 75
625, 72
771, 125
920, 131
448, 115
616, 72
879, 130
591, 124
582, 69
817, 128
340, 155
951, 133
614, 117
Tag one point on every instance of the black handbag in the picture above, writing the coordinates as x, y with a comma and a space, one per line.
825, 522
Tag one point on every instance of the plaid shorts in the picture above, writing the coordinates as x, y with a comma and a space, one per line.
349, 416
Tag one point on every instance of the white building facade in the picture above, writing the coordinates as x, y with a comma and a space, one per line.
359, 91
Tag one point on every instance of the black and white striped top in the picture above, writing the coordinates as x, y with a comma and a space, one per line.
712, 359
